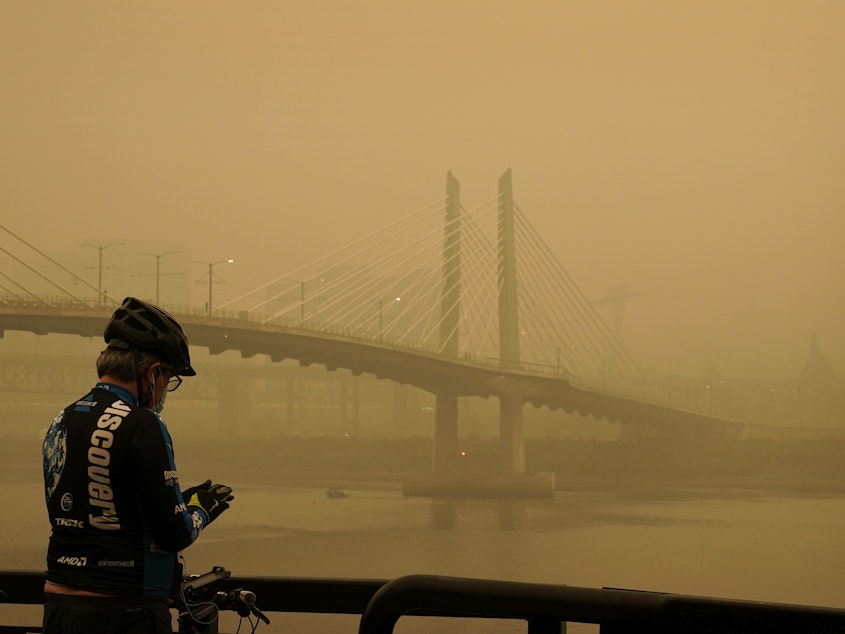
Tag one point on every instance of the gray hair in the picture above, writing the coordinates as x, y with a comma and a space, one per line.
125, 365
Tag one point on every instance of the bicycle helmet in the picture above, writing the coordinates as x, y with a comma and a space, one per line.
137, 324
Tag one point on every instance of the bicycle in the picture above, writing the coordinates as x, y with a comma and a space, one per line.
201, 599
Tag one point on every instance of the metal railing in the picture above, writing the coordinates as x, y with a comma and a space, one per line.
545, 608
260, 321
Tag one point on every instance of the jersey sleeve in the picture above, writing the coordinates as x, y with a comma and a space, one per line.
171, 524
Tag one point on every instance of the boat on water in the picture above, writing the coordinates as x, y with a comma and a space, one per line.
337, 492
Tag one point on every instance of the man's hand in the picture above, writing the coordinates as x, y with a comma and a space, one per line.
212, 499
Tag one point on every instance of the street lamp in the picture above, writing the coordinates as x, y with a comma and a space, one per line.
158, 257
211, 266
100, 248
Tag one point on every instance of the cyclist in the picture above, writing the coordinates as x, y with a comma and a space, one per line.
119, 517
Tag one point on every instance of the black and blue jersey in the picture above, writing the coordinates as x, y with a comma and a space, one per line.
117, 512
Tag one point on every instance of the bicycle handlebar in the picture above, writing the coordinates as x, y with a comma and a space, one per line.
200, 600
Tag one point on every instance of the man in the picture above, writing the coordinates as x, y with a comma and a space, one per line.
118, 515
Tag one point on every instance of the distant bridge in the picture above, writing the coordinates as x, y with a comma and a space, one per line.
436, 373
442, 308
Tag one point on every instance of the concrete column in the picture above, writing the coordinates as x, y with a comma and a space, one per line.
511, 437
343, 383
356, 406
399, 415
289, 405
445, 432
234, 406
350, 405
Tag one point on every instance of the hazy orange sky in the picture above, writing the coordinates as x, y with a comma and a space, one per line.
693, 150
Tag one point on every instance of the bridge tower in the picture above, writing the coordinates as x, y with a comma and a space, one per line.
446, 409
511, 438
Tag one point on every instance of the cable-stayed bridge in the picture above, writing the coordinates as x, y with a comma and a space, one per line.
456, 302
452, 288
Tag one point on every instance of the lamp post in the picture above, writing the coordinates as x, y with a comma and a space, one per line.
211, 266
158, 257
100, 248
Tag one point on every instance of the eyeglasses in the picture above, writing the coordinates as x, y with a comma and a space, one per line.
173, 383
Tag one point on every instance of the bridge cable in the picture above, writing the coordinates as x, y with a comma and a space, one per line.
25, 290
542, 290
63, 268
324, 258
41, 275
586, 317
343, 281
402, 244
578, 319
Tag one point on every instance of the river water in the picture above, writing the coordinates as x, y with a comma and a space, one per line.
756, 548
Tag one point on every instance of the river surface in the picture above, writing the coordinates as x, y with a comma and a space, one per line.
756, 548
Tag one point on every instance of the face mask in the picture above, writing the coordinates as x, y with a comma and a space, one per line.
158, 407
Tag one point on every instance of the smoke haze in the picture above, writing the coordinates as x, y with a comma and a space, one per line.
692, 151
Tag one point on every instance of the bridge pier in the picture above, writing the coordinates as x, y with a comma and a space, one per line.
512, 448
511, 434
289, 402
234, 405
350, 399
445, 432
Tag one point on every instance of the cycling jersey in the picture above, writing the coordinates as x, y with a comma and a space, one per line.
116, 509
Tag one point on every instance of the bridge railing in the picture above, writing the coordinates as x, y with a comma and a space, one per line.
545, 608
48, 302
256, 319
252, 319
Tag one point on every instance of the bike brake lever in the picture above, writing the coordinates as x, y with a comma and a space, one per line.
259, 614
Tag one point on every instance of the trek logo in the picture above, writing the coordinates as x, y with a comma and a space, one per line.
99, 477
66, 521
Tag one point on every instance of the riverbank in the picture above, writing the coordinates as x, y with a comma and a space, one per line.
741, 467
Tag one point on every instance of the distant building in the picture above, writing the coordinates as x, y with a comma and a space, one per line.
818, 387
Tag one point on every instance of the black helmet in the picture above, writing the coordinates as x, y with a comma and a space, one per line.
137, 324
